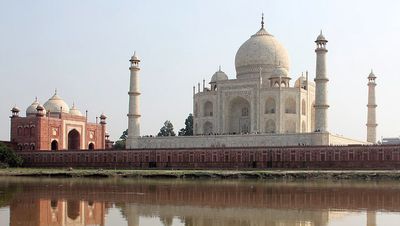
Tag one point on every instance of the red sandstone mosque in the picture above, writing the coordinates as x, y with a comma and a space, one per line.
56, 126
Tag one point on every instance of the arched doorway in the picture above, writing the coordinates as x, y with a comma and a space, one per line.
74, 140
54, 145
239, 116
91, 146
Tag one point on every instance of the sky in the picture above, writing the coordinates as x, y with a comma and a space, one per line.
82, 48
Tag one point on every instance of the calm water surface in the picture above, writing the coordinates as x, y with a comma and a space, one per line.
106, 202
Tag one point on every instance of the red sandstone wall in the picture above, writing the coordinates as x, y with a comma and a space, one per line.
313, 157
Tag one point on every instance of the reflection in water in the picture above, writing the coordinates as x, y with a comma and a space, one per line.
71, 202
46, 212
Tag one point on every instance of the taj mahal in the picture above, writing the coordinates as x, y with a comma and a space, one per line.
263, 106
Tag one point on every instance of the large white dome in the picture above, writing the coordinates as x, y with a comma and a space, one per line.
260, 50
55, 104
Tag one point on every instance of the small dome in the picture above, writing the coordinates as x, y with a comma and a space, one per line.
300, 81
260, 50
40, 109
371, 75
15, 109
103, 116
279, 72
31, 110
219, 76
321, 37
75, 111
134, 57
55, 104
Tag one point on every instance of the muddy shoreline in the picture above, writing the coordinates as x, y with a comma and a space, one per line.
204, 174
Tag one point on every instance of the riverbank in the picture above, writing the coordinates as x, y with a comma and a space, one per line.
210, 174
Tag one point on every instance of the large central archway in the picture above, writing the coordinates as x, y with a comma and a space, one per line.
74, 140
239, 116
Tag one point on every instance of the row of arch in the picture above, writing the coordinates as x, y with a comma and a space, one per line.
290, 106
26, 146
270, 107
26, 130
74, 142
270, 127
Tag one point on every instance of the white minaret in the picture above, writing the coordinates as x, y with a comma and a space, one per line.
371, 117
134, 104
321, 81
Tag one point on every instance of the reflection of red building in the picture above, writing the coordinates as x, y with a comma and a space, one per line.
44, 212
56, 126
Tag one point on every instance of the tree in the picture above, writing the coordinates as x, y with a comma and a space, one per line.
166, 130
9, 157
120, 144
188, 130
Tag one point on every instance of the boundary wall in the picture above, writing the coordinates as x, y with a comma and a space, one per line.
295, 157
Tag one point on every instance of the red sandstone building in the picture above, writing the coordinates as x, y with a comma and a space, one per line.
56, 126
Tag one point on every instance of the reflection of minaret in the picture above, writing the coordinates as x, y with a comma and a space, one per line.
371, 117
371, 218
131, 214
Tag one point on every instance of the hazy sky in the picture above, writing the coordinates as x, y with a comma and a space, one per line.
82, 48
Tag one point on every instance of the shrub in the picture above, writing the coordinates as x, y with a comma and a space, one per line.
9, 157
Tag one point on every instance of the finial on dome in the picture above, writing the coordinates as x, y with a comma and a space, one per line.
55, 91
219, 68
321, 37
262, 20
36, 100
371, 75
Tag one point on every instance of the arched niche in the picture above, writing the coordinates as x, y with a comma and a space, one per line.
208, 128
270, 106
208, 109
239, 116
74, 140
290, 106
270, 126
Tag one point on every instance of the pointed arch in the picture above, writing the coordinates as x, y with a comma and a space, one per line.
239, 116
54, 145
303, 107
290, 126
270, 126
270, 106
208, 109
74, 140
207, 128
290, 106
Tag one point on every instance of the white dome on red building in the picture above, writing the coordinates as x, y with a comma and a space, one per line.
56, 104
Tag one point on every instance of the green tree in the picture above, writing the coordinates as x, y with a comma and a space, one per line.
120, 144
188, 130
166, 130
9, 157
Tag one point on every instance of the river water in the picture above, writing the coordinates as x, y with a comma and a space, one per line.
161, 202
